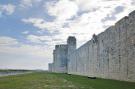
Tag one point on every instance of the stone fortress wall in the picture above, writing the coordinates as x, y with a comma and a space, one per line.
61, 55
110, 55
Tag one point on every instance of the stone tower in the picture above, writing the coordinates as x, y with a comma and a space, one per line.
71, 43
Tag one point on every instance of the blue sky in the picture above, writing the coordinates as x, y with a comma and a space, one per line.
29, 29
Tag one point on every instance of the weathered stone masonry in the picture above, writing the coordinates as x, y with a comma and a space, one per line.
110, 55
61, 56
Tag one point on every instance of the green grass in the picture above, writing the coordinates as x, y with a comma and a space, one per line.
44, 80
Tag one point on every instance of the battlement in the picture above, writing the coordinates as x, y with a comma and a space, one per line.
132, 13
60, 46
122, 21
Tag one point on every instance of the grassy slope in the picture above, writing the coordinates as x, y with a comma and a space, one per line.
44, 80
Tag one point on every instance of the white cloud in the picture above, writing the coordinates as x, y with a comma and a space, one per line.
28, 55
37, 22
62, 10
44, 25
7, 9
19, 51
28, 3
37, 51
87, 22
87, 5
49, 41
39, 39
8, 41
25, 32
